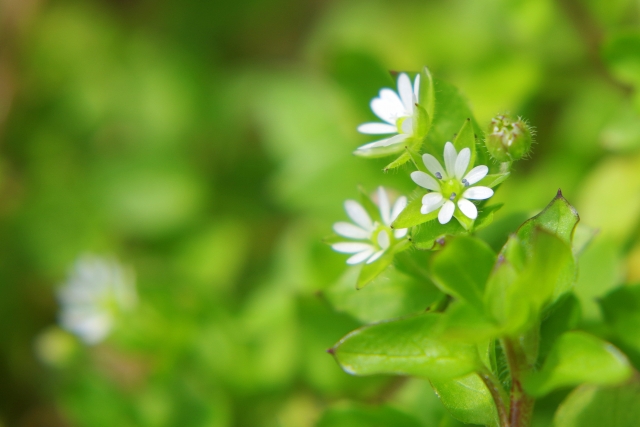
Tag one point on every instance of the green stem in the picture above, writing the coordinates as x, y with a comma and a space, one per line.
521, 404
499, 395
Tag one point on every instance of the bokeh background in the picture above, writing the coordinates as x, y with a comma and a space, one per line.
207, 145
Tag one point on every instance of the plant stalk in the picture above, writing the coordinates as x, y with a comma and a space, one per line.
499, 395
521, 404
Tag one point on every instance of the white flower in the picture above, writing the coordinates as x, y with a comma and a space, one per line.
450, 186
96, 291
397, 110
375, 237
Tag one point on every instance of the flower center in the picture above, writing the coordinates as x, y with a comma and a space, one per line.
451, 189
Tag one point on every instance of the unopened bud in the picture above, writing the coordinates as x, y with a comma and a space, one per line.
508, 140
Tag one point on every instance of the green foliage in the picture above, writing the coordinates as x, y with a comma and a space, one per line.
576, 358
468, 400
407, 347
363, 416
593, 406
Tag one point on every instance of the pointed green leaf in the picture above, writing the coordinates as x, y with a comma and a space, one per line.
593, 406
464, 322
467, 399
559, 218
405, 347
576, 358
409, 147
462, 268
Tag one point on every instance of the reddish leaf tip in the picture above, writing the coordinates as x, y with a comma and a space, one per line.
331, 351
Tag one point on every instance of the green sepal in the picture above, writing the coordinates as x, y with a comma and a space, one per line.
372, 209
493, 180
373, 270
578, 357
465, 138
463, 220
409, 147
378, 152
405, 347
427, 95
424, 236
411, 215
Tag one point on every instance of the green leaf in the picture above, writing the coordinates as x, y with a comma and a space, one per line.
354, 415
592, 406
559, 218
465, 138
377, 152
576, 358
411, 215
463, 322
424, 122
405, 347
424, 236
563, 316
462, 268
467, 399
622, 54
390, 295
621, 310
522, 284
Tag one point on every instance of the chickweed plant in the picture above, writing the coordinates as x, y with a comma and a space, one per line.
501, 327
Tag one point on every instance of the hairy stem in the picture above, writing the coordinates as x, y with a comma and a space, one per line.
499, 395
521, 405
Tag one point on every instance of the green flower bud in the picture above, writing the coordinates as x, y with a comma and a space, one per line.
508, 140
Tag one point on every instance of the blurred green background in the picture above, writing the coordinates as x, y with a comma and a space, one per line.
207, 144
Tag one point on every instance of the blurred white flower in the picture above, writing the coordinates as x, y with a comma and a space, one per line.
97, 291
451, 185
397, 110
374, 237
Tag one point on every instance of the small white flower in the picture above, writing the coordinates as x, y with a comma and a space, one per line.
96, 291
375, 238
397, 110
451, 185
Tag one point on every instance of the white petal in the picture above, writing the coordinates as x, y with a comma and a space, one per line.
446, 212
425, 180
432, 199
476, 174
374, 144
377, 128
425, 209
416, 88
393, 102
383, 239
383, 205
407, 126
468, 208
384, 110
375, 256
450, 156
406, 92
398, 207
396, 139
462, 162
478, 193
351, 247
358, 214
350, 231
433, 165
400, 233
359, 257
